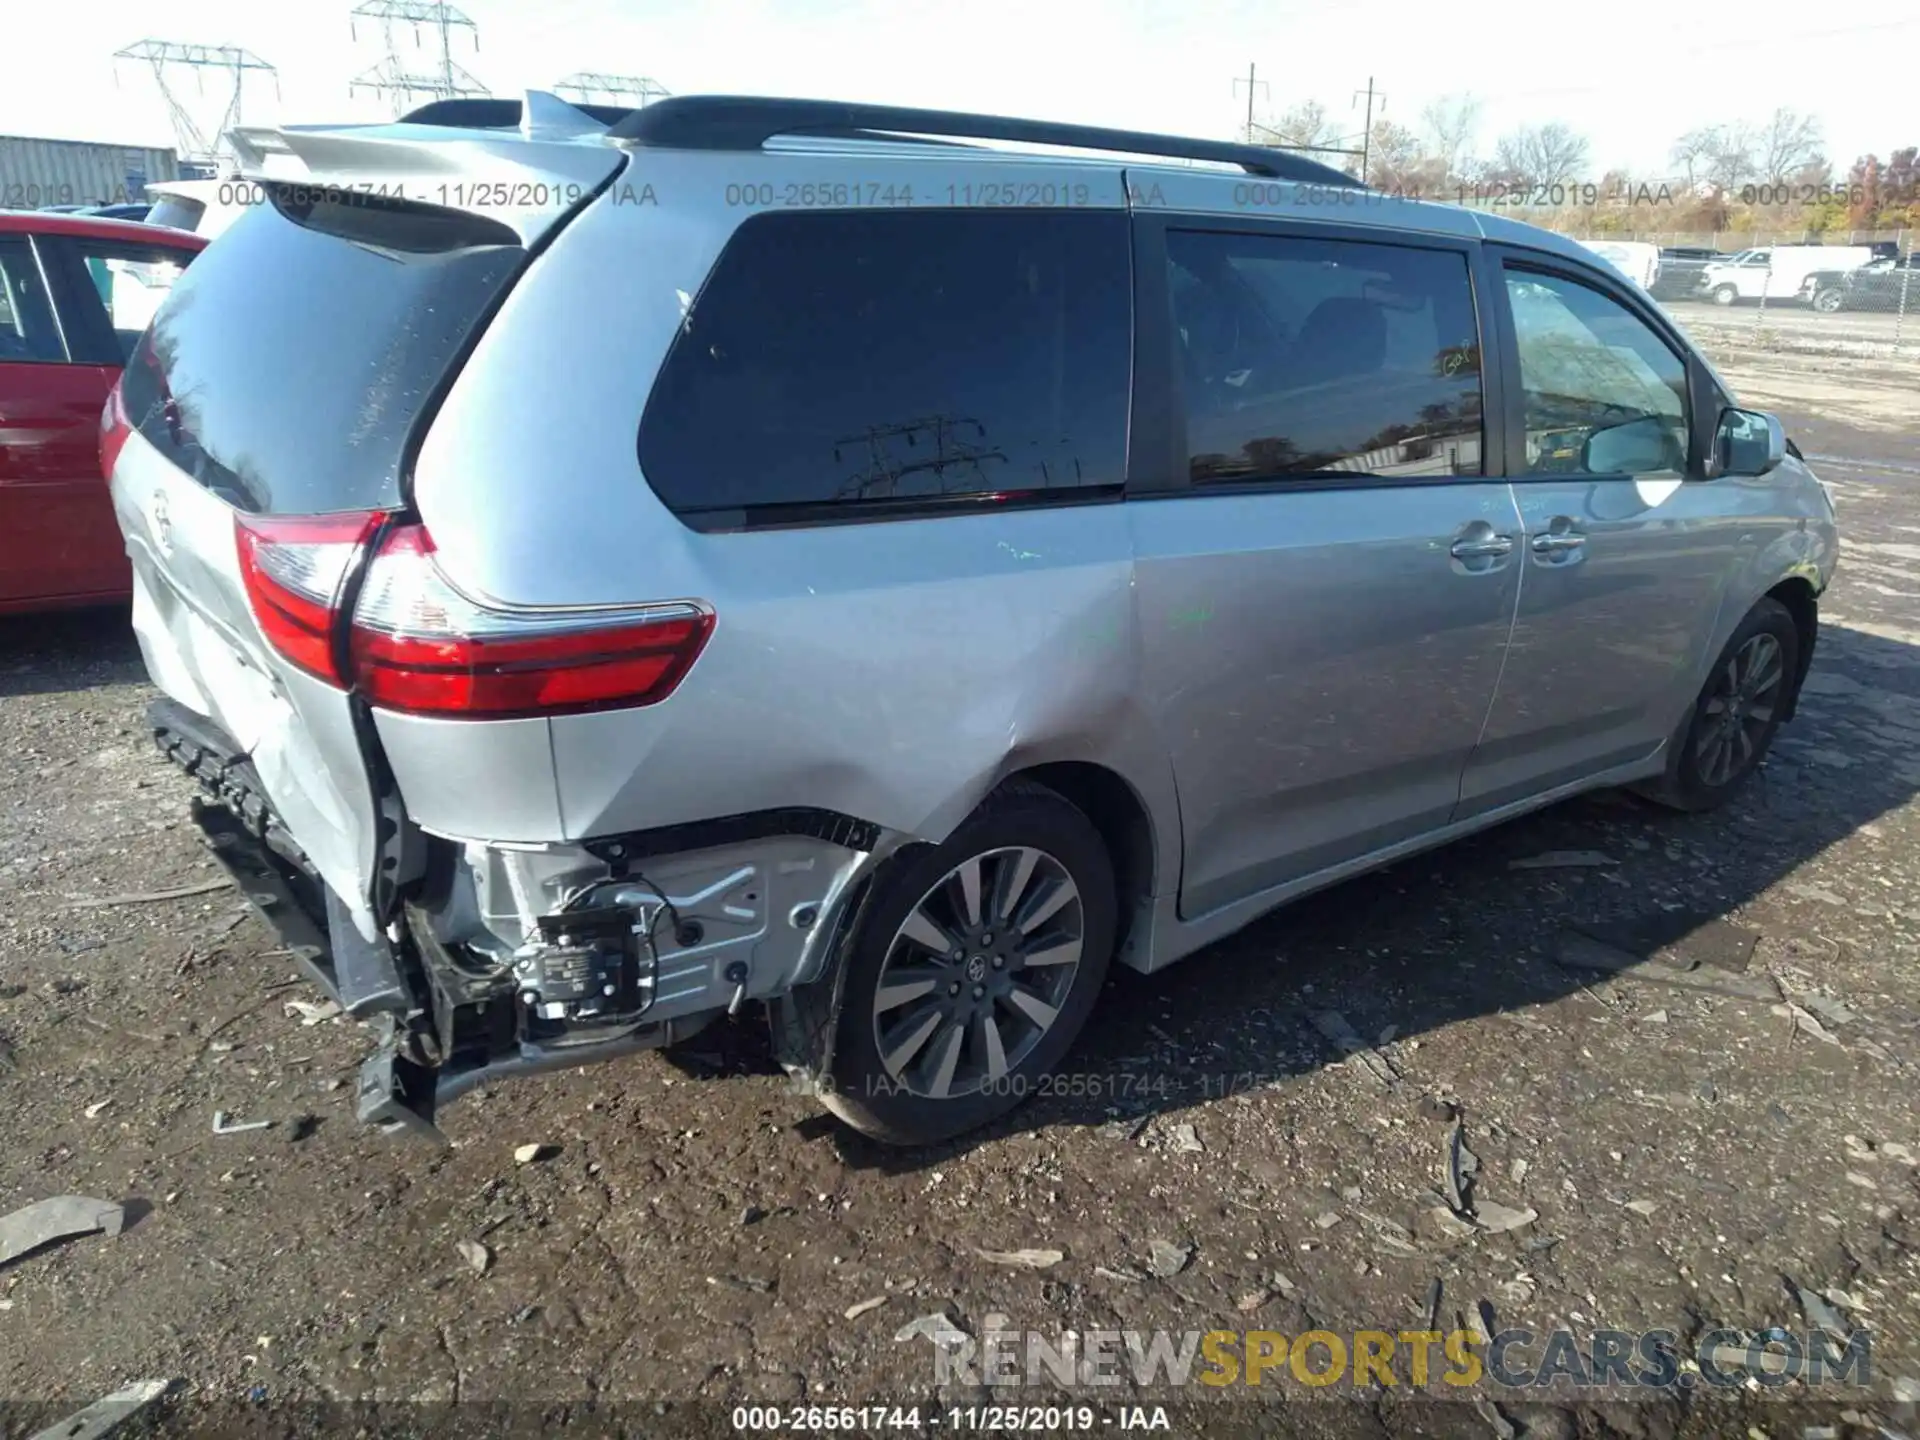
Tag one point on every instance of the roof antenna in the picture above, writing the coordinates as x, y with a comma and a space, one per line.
544, 116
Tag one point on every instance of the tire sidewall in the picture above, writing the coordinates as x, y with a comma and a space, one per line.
857, 1087
1769, 616
1725, 295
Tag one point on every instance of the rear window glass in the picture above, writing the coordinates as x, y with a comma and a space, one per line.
289, 363
869, 360
176, 212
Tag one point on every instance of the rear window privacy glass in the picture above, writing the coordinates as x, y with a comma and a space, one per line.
848, 364
288, 365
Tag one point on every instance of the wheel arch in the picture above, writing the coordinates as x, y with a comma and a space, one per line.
1796, 592
804, 1019
1125, 824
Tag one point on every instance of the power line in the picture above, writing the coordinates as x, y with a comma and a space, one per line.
589, 87
195, 144
1366, 135
1251, 84
1276, 140
391, 77
1280, 142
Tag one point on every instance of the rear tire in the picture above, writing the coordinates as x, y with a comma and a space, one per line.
1739, 711
935, 1039
1725, 294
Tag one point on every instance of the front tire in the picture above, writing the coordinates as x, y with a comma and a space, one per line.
1740, 709
1827, 301
974, 971
1725, 294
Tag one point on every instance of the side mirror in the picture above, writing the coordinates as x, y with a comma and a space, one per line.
1748, 442
1634, 447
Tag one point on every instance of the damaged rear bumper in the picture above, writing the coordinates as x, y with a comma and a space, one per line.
399, 1089
398, 1094
508, 961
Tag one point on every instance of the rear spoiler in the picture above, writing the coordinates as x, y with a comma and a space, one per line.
527, 177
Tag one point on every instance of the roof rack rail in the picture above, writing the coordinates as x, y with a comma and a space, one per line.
739, 122
491, 114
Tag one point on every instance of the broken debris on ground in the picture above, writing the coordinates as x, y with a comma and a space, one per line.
64, 1217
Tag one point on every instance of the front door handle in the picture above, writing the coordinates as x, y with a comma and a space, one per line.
1555, 544
1488, 548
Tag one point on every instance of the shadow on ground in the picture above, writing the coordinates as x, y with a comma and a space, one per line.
1437, 938
1454, 933
68, 650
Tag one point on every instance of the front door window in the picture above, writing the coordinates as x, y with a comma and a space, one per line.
1603, 392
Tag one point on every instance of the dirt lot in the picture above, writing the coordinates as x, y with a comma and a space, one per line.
1793, 325
698, 1235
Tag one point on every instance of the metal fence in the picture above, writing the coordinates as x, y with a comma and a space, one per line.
1845, 315
1730, 241
1855, 316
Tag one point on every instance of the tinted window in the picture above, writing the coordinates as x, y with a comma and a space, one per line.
1589, 365
27, 331
883, 357
1303, 356
290, 361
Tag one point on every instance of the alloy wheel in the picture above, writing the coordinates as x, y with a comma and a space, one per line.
1739, 709
977, 973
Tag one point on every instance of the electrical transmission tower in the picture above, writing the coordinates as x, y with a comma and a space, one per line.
197, 145
590, 87
392, 76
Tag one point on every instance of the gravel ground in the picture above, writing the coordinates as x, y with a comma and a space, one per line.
1795, 326
698, 1236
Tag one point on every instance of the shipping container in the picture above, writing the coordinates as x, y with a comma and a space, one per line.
36, 173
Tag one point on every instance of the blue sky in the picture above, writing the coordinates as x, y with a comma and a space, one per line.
1630, 74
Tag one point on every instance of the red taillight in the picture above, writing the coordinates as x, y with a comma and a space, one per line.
420, 646
416, 644
114, 430
295, 571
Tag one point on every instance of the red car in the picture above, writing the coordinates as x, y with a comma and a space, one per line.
76, 293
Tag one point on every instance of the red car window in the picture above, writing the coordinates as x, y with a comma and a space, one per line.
27, 329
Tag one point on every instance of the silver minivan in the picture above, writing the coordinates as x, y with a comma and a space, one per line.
607, 568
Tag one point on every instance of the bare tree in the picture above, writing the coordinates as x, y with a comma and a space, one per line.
1451, 124
1694, 153
1398, 163
1718, 155
1305, 125
1394, 147
1732, 162
1788, 143
1547, 154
